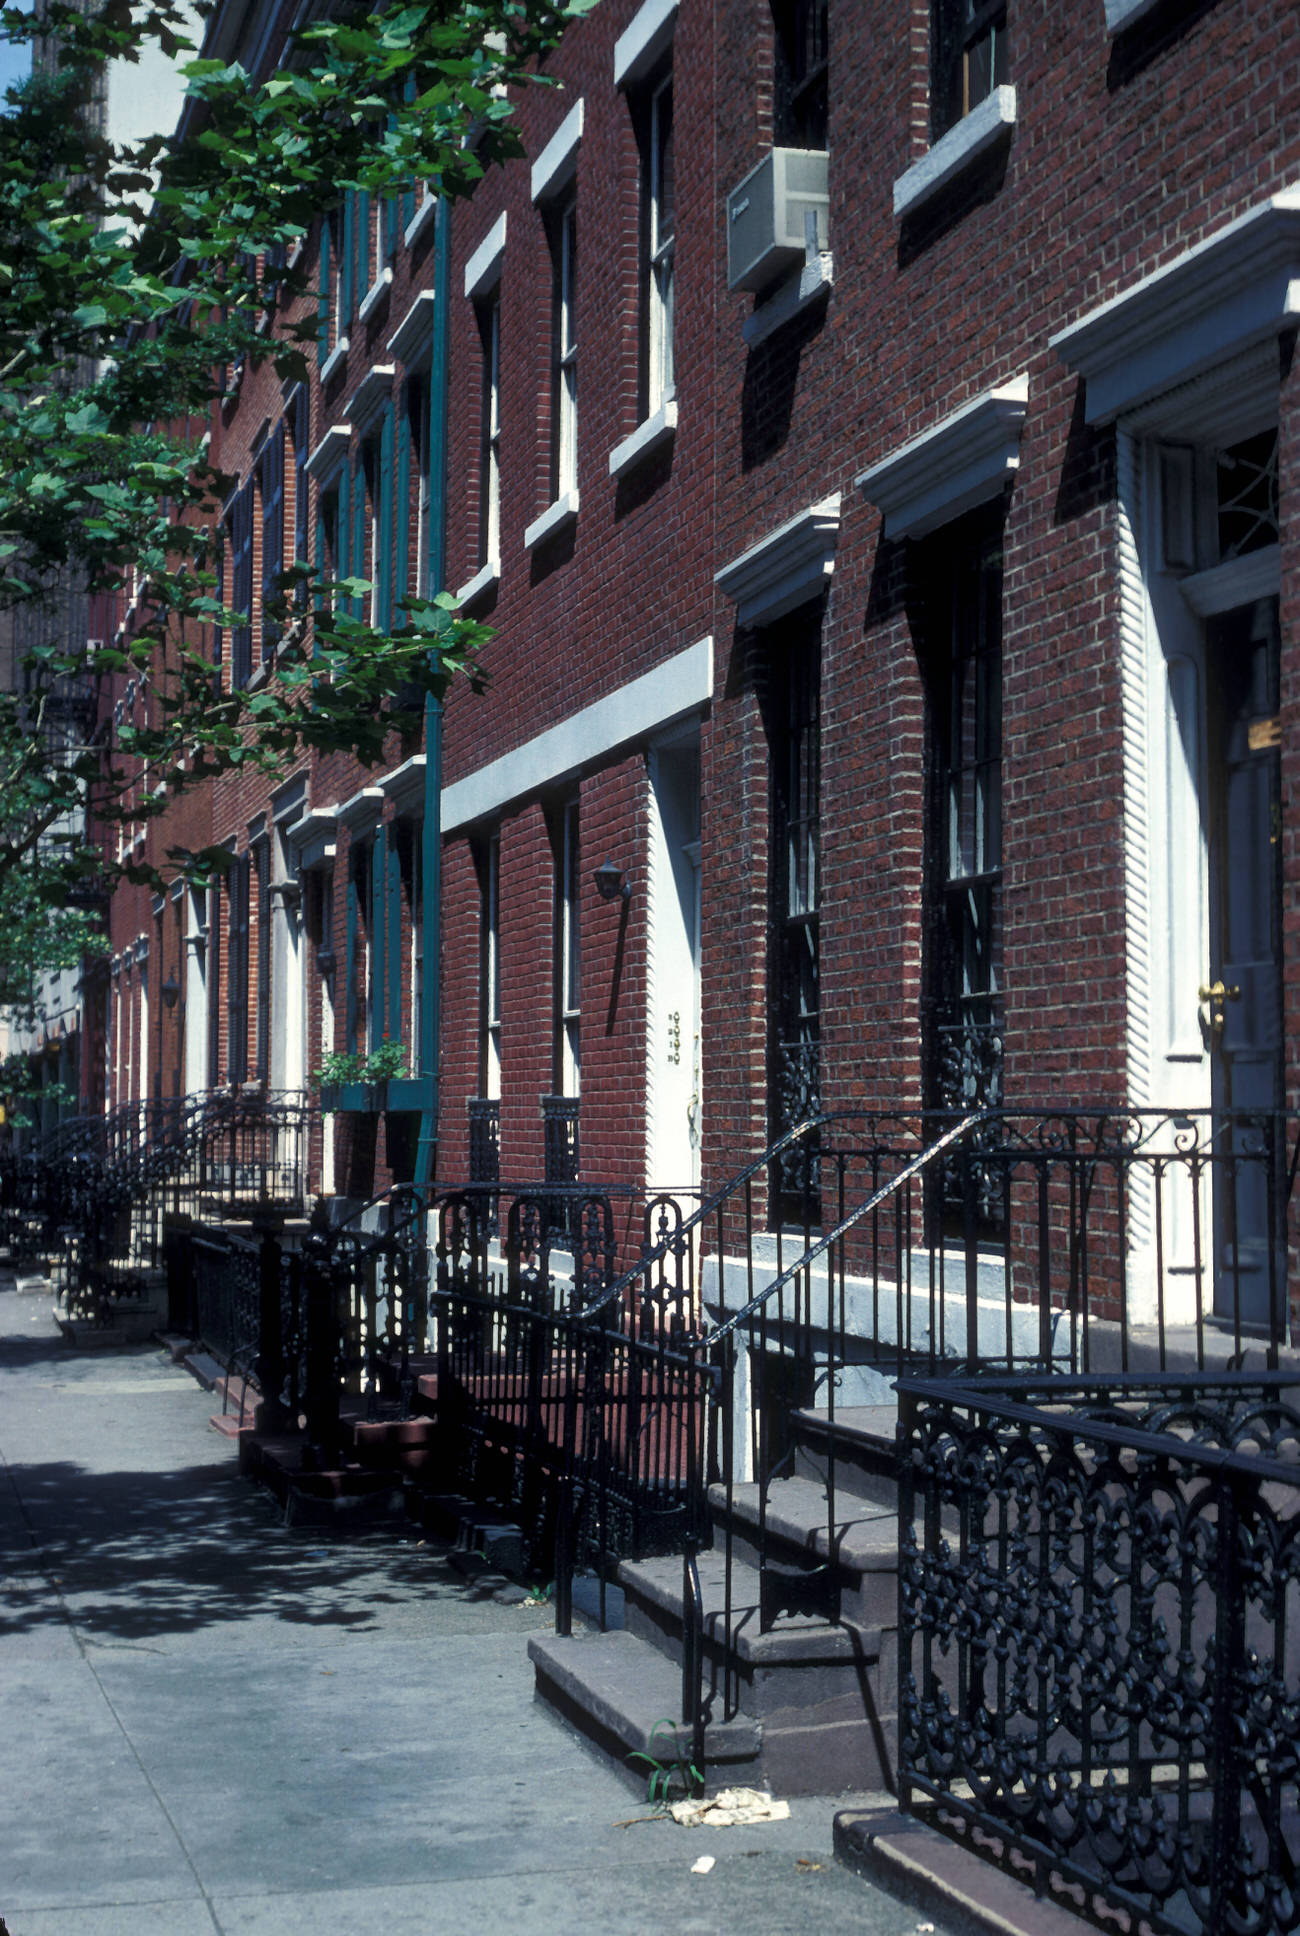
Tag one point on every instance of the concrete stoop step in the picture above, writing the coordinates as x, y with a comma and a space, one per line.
814, 1696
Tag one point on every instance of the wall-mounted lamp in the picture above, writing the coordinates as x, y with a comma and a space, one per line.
611, 882
170, 992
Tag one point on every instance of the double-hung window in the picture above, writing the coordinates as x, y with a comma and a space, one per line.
270, 471
568, 955
489, 867
238, 883
659, 228
800, 105
564, 347
239, 524
488, 313
969, 57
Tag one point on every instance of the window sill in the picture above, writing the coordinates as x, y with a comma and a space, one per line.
652, 435
484, 579
1121, 14
334, 362
376, 294
420, 221
974, 135
555, 518
799, 292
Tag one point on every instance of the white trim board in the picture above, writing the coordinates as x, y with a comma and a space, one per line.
644, 41
1238, 287
786, 568
964, 460
681, 685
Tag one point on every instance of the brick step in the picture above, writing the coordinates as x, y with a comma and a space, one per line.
346, 1494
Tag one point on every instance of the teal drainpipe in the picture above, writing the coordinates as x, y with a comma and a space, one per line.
431, 844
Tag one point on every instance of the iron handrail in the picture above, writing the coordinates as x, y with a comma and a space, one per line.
671, 1245
813, 1251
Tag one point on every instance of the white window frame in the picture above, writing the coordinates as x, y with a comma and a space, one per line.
661, 250
568, 959
564, 351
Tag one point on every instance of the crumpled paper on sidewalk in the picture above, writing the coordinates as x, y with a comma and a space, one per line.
730, 1808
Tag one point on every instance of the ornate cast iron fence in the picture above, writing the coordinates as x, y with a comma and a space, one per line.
105, 1187
1100, 1635
595, 1433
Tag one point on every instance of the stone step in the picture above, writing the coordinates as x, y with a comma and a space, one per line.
617, 1690
795, 1645
865, 1453
864, 1551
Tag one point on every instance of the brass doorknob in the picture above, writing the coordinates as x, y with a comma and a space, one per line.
1217, 996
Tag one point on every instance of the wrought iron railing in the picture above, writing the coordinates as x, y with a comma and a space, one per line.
1099, 1615
562, 1157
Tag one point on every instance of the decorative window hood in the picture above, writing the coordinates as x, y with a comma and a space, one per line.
965, 460
369, 397
787, 568
1239, 286
330, 454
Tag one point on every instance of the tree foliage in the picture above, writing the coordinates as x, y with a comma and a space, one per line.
130, 276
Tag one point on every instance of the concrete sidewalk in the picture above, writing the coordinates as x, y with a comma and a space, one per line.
212, 1724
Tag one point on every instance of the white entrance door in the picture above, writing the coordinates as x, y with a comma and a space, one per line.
673, 1035
1203, 803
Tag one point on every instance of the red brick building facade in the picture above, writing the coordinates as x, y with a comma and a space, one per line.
891, 573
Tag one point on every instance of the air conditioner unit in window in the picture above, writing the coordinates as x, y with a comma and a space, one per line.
767, 215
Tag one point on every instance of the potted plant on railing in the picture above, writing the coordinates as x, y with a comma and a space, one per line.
340, 1072
383, 1065
360, 1082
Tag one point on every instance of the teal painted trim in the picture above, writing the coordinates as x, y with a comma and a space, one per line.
384, 564
345, 260
323, 299
431, 842
393, 909
402, 527
361, 236
359, 538
345, 523
350, 963
378, 938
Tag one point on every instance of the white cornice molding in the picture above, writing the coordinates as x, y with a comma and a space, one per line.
411, 343
337, 357
425, 212
1238, 581
483, 270
974, 135
369, 397
404, 786
787, 568
376, 294
1240, 285
964, 460
1123, 13
312, 838
330, 454
672, 690
554, 167
362, 810
644, 41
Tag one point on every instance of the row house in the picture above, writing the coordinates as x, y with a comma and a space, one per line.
869, 434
